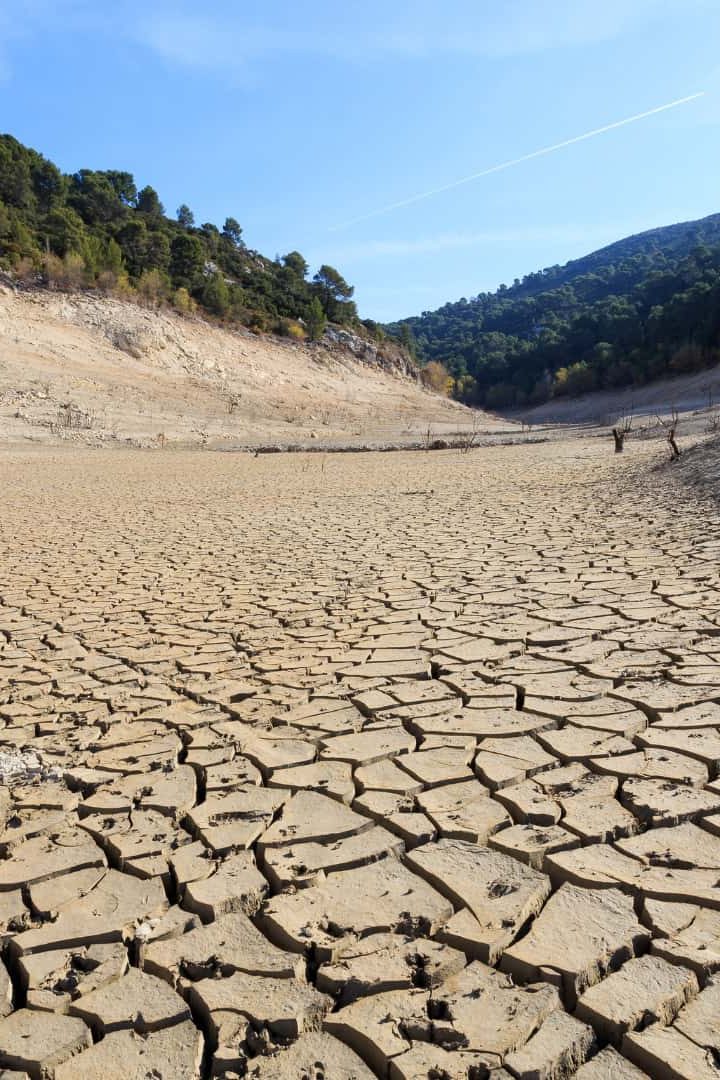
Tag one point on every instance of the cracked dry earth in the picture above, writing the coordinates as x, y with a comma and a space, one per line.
396, 766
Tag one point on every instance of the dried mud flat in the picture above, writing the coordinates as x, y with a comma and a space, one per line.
395, 766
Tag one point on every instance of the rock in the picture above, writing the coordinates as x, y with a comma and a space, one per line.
463, 811
530, 843
699, 1020
664, 802
52, 979
382, 1026
694, 942
333, 778
502, 762
49, 897
6, 991
528, 804
480, 1010
425, 1060
236, 819
45, 857
308, 816
108, 913
367, 746
304, 863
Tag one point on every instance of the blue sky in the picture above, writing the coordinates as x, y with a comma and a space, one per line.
296, 116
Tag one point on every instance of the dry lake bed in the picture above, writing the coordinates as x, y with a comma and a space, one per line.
320, 767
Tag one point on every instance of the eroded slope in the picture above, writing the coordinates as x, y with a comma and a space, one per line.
104, 372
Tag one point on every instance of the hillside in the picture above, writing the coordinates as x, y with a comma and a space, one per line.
644, 308
121, 323
97, 229
85, 368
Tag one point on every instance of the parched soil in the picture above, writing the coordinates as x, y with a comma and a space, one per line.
355, 766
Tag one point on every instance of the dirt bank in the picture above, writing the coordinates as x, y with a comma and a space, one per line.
101, 371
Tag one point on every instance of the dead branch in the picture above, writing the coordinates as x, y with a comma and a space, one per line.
671, 427
621, 429
468, 439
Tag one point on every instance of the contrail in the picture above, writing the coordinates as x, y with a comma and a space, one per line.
518, 161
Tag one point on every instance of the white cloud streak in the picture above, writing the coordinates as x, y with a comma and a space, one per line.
401, 203
228, 39
494, 239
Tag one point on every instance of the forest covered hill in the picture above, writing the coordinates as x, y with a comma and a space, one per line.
643, 308
97, 229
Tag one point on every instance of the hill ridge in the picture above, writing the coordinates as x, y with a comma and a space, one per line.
644, 307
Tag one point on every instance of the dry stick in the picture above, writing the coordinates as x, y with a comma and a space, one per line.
620, 431
672, 428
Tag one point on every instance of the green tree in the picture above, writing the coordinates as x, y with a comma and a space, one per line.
113, 260
216, 295
17, 240
185, 216
407, 339
95, 199
232, 231
63, 231
295, 262
134, 244
48, 183
148, 203
15, 179
187, 260
315, 320
333, 291
123, 184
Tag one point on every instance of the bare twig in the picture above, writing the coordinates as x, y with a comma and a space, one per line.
468, 439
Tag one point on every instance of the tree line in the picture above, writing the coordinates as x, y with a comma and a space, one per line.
646, 307
97, 229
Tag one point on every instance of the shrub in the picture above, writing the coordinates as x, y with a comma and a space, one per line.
183, 301
25, 270
289, 328
107, 281
152, 288
574, 380
67, 273
435, 376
